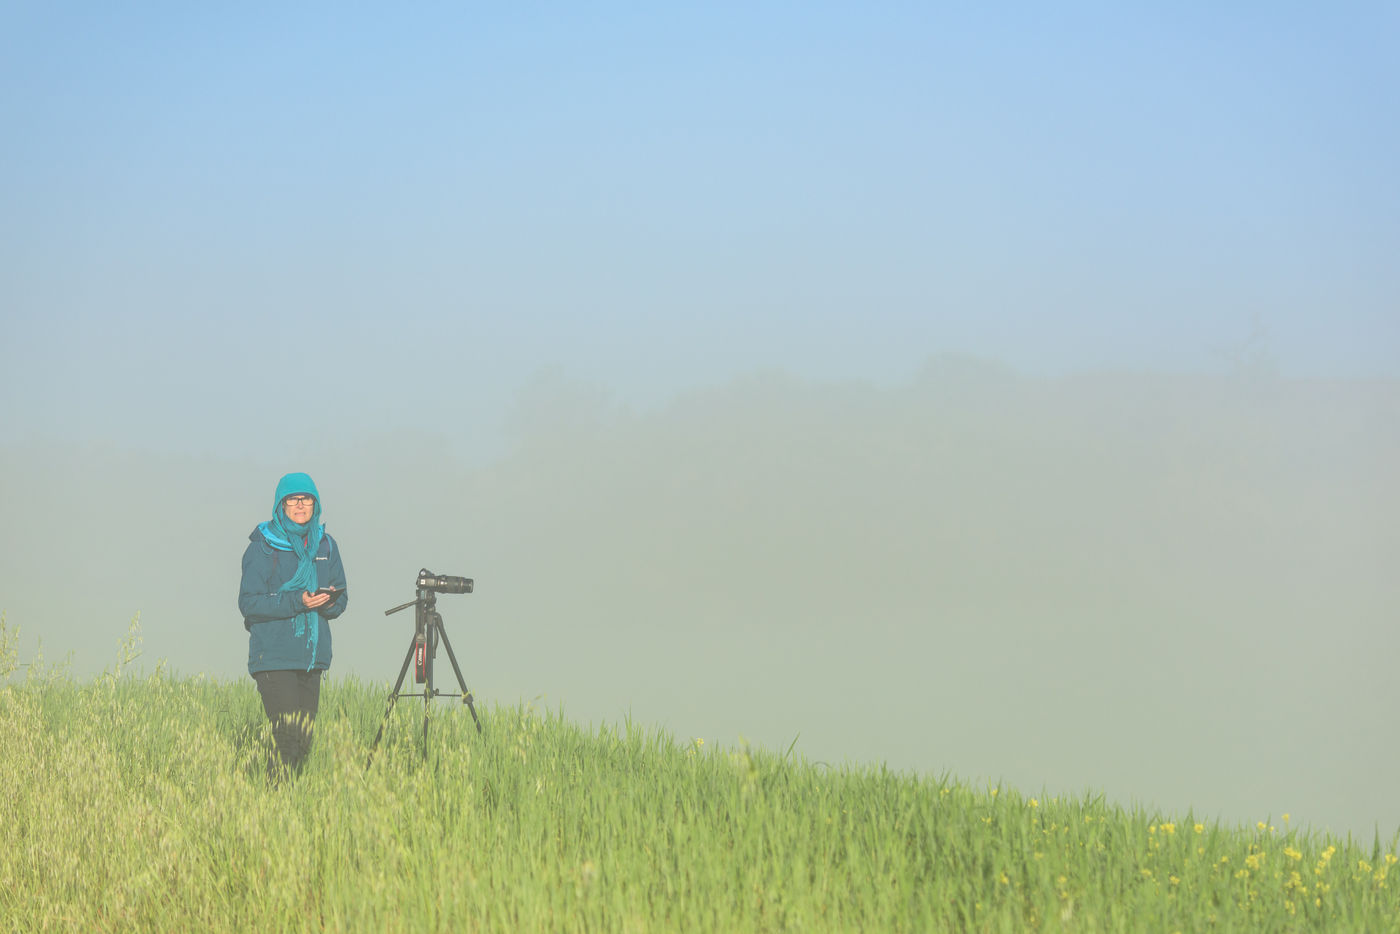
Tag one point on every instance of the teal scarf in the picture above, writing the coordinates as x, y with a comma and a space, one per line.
303, 540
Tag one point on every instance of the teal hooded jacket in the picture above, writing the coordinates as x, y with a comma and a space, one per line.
270, 613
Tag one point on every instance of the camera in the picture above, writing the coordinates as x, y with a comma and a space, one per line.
443, 583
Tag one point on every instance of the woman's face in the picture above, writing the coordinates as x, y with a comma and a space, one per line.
298, 507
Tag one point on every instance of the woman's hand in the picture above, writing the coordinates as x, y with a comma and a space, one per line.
313, 600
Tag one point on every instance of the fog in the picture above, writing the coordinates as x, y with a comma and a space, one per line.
1177, 590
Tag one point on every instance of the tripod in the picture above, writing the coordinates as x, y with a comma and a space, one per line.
422, 649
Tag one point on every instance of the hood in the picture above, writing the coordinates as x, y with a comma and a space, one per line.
295, 483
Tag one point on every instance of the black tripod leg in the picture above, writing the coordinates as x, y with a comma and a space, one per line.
461, 682
427, 617
427, 696
393, 696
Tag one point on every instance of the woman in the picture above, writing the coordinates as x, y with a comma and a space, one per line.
293, 583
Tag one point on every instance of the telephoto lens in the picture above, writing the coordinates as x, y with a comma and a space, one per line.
443, 583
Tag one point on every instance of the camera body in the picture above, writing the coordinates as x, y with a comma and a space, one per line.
443, 583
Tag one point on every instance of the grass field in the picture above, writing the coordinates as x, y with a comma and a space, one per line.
141, 803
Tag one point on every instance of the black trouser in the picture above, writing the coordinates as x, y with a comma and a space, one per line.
290, 699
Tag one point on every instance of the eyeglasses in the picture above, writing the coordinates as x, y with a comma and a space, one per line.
299, 500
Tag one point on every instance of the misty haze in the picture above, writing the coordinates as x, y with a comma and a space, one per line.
1176, 589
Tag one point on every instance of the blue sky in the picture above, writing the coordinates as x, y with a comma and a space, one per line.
441, 201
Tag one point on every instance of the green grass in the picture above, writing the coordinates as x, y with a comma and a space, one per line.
141, 803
